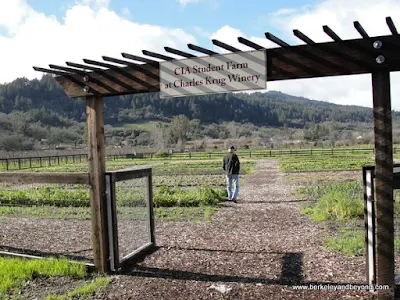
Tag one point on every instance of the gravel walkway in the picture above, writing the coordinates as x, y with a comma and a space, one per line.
259, 248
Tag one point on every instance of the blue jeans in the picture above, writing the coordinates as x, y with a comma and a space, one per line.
232, 181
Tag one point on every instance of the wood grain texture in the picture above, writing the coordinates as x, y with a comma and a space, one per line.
96, 160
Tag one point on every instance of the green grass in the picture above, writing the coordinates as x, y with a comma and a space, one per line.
336, 201
14, 272
350, 242
324, 163
202, 196
87, 291
192, 214
201, 213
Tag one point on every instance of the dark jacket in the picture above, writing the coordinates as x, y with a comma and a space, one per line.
231, 164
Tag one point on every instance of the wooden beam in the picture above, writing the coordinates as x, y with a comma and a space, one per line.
225, 46
361, 30
331, 33
157, 55
249, 43
102, 73
391, 25
48, 177
276, 40
384, 183
96, 160
141, 59
303, 61
113, 78
201, 49
130, 173
303, 37
179, 52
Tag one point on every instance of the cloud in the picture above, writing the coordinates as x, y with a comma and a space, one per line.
338, 15
95, 4
84, 32
186, 2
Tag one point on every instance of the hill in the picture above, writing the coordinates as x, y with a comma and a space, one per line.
47, 103
38, 112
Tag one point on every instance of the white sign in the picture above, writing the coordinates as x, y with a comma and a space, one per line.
213, 74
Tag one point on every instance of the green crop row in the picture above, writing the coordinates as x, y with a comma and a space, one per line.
59, 196
329, 163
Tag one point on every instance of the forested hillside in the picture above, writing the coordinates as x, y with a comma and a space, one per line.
35, 114
47, 103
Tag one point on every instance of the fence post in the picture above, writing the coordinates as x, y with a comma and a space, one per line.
250, 153
209, 155
7, 164
19, 163
383, 134
58, 159
30, 162
270, 152
40, 159
332, 151
49, 161
96, 159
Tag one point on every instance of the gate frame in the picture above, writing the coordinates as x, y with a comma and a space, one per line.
111, 214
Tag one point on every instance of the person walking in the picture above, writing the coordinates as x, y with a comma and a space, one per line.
231, 166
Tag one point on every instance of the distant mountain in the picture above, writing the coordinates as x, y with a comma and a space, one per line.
47, 103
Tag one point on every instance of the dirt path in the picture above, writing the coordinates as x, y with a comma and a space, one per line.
258, 248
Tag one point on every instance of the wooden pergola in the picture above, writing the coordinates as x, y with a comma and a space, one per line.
133, 74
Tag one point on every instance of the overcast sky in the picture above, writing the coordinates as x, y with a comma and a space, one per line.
39, 32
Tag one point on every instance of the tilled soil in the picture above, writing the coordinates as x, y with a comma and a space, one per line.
259, 248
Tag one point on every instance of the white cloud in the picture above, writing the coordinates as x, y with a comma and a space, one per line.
126, 12
84, 32
95, 4
186, 2
339, 15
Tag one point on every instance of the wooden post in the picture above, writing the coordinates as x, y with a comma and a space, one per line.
96, 160
384, 182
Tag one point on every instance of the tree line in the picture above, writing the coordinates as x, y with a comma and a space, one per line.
36, 112
50, 105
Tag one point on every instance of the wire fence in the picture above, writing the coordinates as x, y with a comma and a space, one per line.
23, 163
44, 220
132, 216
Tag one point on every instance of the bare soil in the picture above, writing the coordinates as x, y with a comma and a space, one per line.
259, 248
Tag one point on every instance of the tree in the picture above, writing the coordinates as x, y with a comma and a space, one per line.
179, 129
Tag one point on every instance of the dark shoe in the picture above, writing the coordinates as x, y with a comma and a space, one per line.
234, 200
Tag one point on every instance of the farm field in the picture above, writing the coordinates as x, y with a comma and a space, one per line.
188, 205
333, 188
190, 191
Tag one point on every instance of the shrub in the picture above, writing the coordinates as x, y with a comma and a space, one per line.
161, 153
